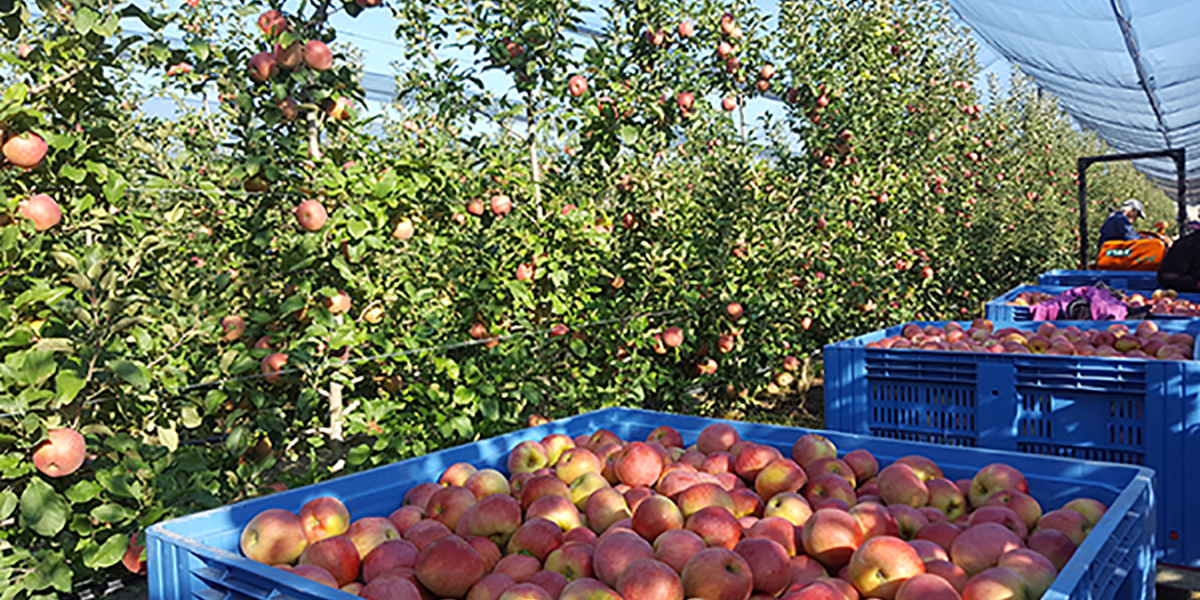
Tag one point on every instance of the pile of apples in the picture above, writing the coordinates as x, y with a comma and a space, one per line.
598, 518
1144, 342
1162, 302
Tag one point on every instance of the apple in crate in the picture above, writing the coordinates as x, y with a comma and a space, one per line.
274, 537
324, 517
649, 579
927, 587
880, 565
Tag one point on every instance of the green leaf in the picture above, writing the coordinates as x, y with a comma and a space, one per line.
190, 417
358, 228
108, 554
200, 47
85, 21
84, 491
629, 135
65, 260
168, 437
42, 509
68, 383
490, 409
8, 504
49, 571
578, 348
16, 93
131, 372
112, 513
73, 173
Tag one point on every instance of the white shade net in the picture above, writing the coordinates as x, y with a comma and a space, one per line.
1127, 69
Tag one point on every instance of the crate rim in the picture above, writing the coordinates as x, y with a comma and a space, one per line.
1142, 478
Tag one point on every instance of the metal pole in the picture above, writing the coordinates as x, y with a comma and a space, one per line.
1081, 166
1180, 156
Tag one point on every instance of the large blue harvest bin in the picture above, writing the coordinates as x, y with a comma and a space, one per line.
196, 557
1139, 412
1125, 280
998, 309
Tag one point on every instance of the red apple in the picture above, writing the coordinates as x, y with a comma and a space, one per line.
811, 447
573, 560
311, 215
981, 547
1068, 521
874, 520
527, 457
387, 556
1037, 570
997, 583
746, 503
556, 509
262, 66
1002, 515
272, 23
638, 465
831, 536
324, 517
1091, 509
716, 526
495, 517
655, 516
588, 589
650, 579
769, 564
274, 536
520, 567
425, 532
537, 537
881, 565
1054, 545
449, 567
676, 547
490, 587
667, 436
701, 496
927, 587
317, 55
900, 484
829, 486
25, 150
994, 478
61, 454
942, 534
605, 507
337, 555
553, 583
790, 506
777, 529
863, 463
486, 482
831, 465
369, 532
577, 85
718, 437
501, 205
717, 574
487, 549
949, 571
616, 551
447, 505
780, 475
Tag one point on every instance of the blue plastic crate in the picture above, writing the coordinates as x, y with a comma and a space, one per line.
197, 557
1126, 280
998, 309
1139, 412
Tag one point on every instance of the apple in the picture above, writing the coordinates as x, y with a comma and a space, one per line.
61, 454
746, 503
717, 437
924, 468
1054, 545
685, 101
537, 537
311, 215
789, 506
874, 520
717, 574
616, 551
387, 556
449, 566
368, 532
1092, 510
769, 563
315, 573
686, 29
927, 587
780, 475
540, 486
457, 474
337, 555
718, 462
605, 507
945, 496
753, 458
928, 550
908, 519
981, 547
900, 484
317, 55
1070, 522
701, 496
812, 447
1002, 515
558, 510
881, 564
932, 514
649, 579
447, 505
273, 537
729, 103
584, 486
1023, 504
572, 560
677, 546
819, 589
262, 66
994, 478
25, 150
419, 496
487, 549
527, 457
667, 436
486, 482
324, 517
582, 535
288, 58
863, 463
942, 534
948, 571
777, 529
638, 464
832, 465
577, 85
490, 587
501, 205
390, 587
232, 328
550, 581
588, 589
495, 517
716, 526
425, 532
996, 583
272, 23
831, 536
556, 444
655, 516
520, 567
829, 487
1037, 570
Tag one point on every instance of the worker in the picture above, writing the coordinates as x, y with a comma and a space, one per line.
1180, 268
1119, 225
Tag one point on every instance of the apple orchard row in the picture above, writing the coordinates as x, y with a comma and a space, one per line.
599, 518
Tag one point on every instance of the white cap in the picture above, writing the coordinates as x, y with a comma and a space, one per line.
1135, 205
